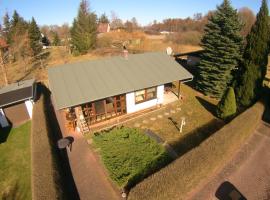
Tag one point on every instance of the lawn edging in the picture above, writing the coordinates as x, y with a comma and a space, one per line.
185, 173
44, 170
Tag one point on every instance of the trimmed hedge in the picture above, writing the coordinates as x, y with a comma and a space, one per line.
45, 176
185, 173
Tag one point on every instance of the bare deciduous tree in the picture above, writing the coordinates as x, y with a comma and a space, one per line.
248, 18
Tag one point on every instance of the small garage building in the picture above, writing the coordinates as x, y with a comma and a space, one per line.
16, 103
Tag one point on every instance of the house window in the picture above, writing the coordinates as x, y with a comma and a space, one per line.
145, 95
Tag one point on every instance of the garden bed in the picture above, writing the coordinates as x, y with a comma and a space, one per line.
129, 155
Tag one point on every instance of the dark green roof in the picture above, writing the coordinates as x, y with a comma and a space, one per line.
77, 83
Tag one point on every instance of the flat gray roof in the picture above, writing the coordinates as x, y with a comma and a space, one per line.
78, 83
16, 92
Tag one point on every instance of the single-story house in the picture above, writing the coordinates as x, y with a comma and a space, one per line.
16, 102
98, 90
103, 28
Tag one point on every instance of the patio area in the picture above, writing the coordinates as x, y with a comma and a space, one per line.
196, 109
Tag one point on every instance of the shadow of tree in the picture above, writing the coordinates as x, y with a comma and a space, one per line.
196, 137
207, 105
65, 181
266, 114
37, 63
12, 193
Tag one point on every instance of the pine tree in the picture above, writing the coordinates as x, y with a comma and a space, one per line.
34, 37
255, 59
226, 108
84, 30
222, 43
56, 39
6, 28
17, 27
103, 19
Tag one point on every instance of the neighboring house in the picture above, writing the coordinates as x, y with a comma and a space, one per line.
165, 32
3, 44
103, 28
16, 102
192, 58
98, 90
3, 48
44, 41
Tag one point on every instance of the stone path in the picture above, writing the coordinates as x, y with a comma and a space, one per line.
144, 124
248, 171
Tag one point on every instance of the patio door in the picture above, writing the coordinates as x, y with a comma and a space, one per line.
120, 104
105, 109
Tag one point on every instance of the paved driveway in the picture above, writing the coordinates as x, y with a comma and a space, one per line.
248, 171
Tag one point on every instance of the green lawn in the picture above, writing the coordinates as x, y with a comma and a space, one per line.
129, 155
198, 111
15, 181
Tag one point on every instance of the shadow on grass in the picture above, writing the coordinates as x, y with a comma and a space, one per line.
65, 180
266, 114
4, 133
37, 63
11, 193
196, 137
207, 105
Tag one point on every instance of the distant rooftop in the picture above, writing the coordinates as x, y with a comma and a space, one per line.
3, 43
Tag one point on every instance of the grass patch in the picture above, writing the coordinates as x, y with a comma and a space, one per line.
200, 122
129, 155
15, 181
177, 179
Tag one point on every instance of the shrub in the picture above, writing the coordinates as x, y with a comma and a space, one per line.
177, 179
226, 108
130, 155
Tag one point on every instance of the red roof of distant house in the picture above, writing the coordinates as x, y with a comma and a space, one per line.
103, 28
3, 43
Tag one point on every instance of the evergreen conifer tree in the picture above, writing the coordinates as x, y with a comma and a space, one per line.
6, 28
255, 60
34, 37
84, 30
223, 45
56, 39
226, 108
103, 19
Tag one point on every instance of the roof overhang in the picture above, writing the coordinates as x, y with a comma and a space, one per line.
78, 83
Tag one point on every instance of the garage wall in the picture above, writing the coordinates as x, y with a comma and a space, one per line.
3, 119
17, 114
132, 107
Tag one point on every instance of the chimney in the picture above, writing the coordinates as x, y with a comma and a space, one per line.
125, 53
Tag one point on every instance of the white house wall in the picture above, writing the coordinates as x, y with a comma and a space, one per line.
29, 107
133, 107
3, 119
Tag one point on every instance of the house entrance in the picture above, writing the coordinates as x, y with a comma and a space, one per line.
104, 109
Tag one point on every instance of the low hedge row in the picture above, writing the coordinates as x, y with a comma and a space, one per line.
45, 176
179, 177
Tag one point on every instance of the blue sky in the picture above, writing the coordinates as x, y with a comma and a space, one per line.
61, 11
